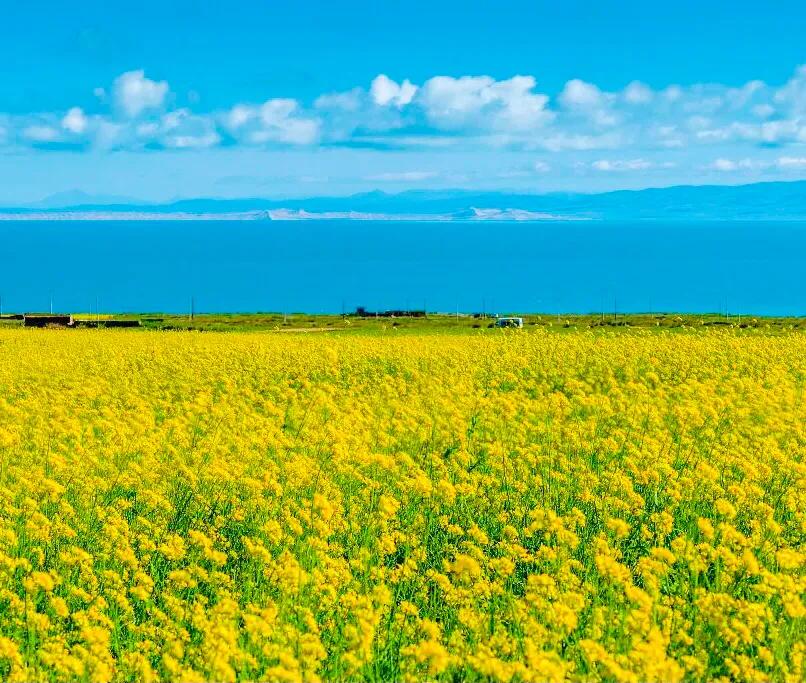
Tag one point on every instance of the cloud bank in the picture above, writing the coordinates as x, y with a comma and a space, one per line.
762, 126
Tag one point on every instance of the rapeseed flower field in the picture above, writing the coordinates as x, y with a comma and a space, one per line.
506, 506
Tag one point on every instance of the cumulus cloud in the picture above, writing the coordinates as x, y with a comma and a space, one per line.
672, 93
75, 121
638, 93
738, 98
384, 91
578, 94
585, 99
481, 102
181, 129
583, 126
134, 94
792, 96
276, 120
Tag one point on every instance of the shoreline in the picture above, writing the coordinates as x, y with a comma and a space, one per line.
478, 215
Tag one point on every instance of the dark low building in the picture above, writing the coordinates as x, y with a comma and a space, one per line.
362, 312
46, 319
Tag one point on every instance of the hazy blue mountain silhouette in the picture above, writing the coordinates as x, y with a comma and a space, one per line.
771, 200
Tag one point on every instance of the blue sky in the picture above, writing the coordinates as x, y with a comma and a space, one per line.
158, 100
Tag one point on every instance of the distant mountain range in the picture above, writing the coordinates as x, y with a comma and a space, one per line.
758, 201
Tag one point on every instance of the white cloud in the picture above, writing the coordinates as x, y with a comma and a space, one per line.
277, 120
741, 97
578, 94
724, 165
462, 113
192, 141
792, 95
40, 133
134, 94
149, 129
778, 131
451, 101
699, 101
638, 93
480, 102
728, 165
667, 136
763, 111
672, 93
240, 115
181, 129
109, 135
384, 92
349, 101
621, 165
75, 121
280, 122
404, 176
585, 99
579, 142
782, 163
791, 163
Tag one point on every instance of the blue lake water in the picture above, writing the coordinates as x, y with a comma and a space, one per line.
325, 266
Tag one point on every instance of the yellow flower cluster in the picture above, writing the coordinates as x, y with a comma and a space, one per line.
533, 506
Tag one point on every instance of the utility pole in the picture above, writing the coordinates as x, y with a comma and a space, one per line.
192, 307
51, 304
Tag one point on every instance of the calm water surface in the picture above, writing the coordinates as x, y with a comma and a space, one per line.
322, 266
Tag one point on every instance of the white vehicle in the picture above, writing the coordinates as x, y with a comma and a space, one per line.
509, 322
